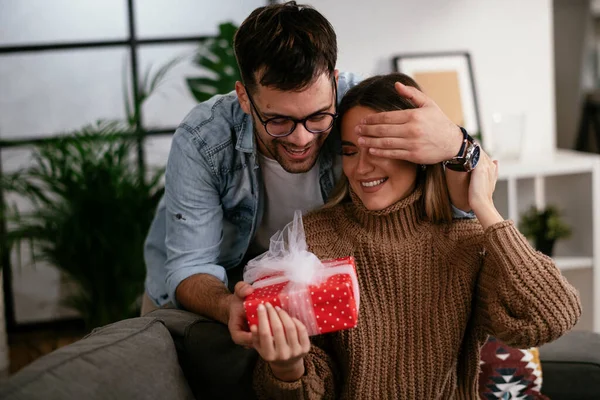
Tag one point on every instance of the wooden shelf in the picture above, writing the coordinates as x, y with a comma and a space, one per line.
572, 263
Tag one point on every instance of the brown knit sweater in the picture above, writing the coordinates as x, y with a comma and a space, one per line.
430, 295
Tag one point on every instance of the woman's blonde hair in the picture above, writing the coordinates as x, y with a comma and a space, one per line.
379, 94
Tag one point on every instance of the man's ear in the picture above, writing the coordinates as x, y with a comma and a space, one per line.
240, 90
336, 74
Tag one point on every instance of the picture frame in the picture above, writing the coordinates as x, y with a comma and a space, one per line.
447, 78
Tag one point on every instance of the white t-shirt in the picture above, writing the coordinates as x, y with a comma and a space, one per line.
284, 193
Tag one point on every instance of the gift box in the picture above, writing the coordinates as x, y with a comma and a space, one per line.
328, 305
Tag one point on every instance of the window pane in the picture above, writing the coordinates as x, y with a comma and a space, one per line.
158, 18
49, 93
171, 101
37, 288
14, 159
43, 21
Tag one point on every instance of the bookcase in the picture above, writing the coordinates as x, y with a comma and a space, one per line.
571, 181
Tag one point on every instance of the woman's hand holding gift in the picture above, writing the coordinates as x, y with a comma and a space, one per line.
282, 341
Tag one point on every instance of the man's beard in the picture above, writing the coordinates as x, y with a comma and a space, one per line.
274, 151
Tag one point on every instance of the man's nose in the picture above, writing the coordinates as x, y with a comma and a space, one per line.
301, 137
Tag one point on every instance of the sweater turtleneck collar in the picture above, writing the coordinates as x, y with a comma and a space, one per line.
400, 220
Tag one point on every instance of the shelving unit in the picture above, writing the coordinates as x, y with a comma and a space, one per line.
572, 181
572, 263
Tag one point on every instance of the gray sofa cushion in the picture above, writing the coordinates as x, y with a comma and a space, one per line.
571, 367
130, 359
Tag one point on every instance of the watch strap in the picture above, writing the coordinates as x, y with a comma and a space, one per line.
462, 161
463, 146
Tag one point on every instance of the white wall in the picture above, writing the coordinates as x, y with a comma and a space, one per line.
573, 46
510, 42
574, 70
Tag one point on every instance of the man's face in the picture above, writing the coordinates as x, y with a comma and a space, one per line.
298, 151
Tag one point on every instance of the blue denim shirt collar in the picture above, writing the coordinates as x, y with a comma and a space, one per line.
245, 134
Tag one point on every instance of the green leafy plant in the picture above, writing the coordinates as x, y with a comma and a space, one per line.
92, 207
91, 210
544, 227
216, 57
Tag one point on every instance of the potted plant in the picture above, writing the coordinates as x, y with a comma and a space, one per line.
91, 210
70, 172
544, 227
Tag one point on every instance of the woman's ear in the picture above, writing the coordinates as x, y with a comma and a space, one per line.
242, 96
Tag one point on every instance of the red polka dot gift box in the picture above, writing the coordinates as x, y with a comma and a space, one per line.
329, 304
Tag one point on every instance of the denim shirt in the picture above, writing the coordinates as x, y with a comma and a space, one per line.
213, 201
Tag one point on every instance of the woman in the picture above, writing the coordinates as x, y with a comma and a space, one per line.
432, 289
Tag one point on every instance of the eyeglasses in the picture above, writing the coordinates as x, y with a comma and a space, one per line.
283, 126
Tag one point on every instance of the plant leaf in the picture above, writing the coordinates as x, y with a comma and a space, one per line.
216, 58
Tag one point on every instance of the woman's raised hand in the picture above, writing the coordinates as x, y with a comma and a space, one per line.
481, 191
282, 341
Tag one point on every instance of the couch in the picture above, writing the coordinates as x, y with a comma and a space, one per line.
164, 356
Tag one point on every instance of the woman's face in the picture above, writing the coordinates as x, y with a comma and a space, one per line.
378, 182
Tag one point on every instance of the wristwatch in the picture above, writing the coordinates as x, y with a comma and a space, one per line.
468, 156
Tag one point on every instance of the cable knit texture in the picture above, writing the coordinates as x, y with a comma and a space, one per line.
430, 295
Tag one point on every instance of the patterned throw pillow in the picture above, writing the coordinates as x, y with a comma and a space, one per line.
509, 373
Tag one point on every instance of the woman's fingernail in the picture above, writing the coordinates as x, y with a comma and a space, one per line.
361, 141
261, 307
277, 308
269, 305
358, 129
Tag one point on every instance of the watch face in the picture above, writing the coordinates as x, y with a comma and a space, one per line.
475, 156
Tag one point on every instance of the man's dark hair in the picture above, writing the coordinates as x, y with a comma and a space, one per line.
285, 46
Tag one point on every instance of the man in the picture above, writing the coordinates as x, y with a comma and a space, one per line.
240, 164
